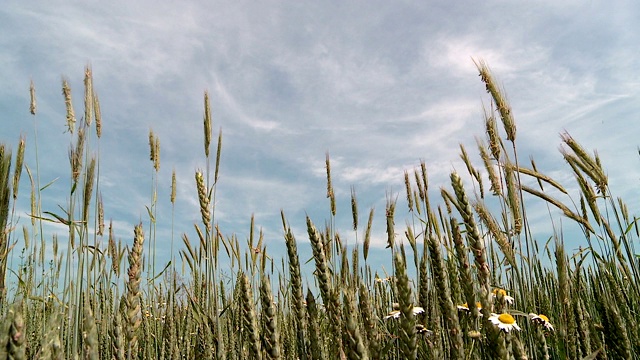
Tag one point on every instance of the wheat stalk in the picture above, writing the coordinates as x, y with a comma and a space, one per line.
132, 299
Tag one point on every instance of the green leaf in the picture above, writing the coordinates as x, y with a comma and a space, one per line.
153, 219
49, 184
160, 273
60, 219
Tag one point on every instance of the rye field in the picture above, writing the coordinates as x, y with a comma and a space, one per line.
468, 279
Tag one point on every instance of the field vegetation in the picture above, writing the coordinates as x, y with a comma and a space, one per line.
484, 287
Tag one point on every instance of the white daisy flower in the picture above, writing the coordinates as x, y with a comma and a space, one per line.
504, 322
396, 313
393, 314
508, 299
421, 329
541, 319
465, 307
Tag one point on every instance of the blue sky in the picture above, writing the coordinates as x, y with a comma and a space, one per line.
379, 85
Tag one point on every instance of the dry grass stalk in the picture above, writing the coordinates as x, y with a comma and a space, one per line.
203, 343
118, 345
5, 198
624, 209
590, 196
25, 236
417, 200
590, 165
173, 187
345, 275
169, 336
465, 159
367, 235
616, 247
519, 353
500, 100
496, 186
207, 124
89, 334
354, 209
565, 210
334, 315
296, 288
250, 322
17, 171
513, 199
448, 199
97, 114
32, 97
421, 190
615, 332
369, 321
88, 96
76, 156
542, 349
218, 152
205, 200
408, 346
424, 286
425, 185
495, 343
447, 308
476, 243
322, 271
582, 325
113, 251
100, 216
472, 171
156, 154
491, 129
497, 233
534, 173
411, 239
33, 194
152, 145
352, 336
463, 267
391, 208
564, 298
71, 116
316, 346
88, 190
271, 335
132, 299
407, 185
330, 194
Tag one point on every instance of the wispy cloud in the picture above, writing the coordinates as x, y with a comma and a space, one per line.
379, 87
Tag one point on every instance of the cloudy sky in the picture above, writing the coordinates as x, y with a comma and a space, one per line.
379, 85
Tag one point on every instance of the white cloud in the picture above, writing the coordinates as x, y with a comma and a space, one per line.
379, 87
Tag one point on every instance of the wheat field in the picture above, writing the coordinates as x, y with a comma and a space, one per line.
481, 286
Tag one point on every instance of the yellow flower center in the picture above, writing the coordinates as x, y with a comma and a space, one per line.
479, 305
543, 317
499, 291
506, 319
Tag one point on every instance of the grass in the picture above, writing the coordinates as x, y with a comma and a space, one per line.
484, 287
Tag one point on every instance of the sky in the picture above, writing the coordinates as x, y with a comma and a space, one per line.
378, 85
